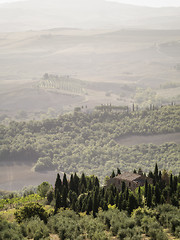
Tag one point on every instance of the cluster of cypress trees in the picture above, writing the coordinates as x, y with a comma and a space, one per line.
84, 194
165, 188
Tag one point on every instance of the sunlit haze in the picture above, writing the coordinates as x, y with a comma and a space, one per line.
152, 3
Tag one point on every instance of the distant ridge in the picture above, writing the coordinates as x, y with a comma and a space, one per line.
85, 14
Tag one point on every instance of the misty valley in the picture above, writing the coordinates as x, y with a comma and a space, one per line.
89, 120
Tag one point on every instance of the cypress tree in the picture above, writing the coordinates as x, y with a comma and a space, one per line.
160, 175
76, 183
58, 201
113, 174
175, 182
90, 185
149, 196
139, 196
146, 189
123, 187
58, 184
71, 183
95, 202
96, 182
65, 182
118, 171
89, 205
111, 199
171, 185
83, 182
64, 196
155, 174
120, 201
157, 194
127, 193
116, 199
132, 203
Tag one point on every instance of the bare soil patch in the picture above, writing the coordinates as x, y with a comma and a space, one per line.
155, 139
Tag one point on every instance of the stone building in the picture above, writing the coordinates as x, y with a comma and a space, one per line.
131, 180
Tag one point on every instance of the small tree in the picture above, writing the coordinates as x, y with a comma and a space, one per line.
43, 188
30, 210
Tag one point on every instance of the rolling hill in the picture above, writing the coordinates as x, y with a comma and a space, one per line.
43, 14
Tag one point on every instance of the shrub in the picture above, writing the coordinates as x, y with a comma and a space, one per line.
35, 228
30, 210
9, 231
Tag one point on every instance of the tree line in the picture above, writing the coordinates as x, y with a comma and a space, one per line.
84, 194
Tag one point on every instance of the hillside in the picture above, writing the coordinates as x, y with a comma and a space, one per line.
120, 67
90, 142
43, 14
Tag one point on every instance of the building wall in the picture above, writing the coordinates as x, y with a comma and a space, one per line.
130, 184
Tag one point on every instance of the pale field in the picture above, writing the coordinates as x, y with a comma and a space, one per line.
14, 177
155, 139
135, 58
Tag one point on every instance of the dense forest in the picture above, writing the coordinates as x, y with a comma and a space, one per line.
82, 141
79, 208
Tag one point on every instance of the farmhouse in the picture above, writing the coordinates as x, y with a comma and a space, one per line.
131, 180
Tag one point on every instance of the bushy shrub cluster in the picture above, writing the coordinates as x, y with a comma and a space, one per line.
169, 217
9, 231
35, 228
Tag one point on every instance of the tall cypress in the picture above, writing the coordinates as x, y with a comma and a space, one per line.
155, 174
146, 189
157, 194
58, 201
71, 183
64, 196
127, 193
113, 174
123, 187
171, 185
118, 171
149, 196
132, 203
96, 182
76, 183
83, 183
95, 202
65, 182
58, 184
89, 205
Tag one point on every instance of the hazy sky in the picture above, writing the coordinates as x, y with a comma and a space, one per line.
152, 3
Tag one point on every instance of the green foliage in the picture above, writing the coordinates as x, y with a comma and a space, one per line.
35, 228
170, 218
30, 210
19, 201
43, 188
9, 231
89, 142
